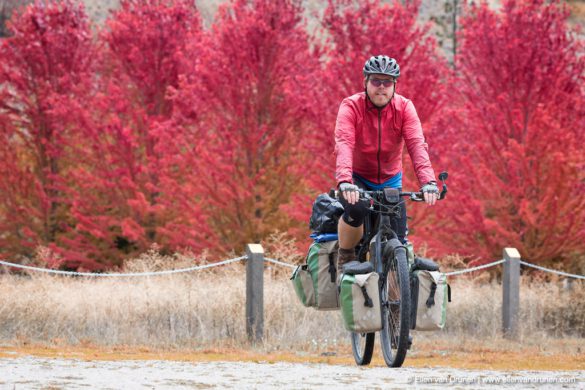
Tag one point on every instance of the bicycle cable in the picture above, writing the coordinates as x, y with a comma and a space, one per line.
389, 209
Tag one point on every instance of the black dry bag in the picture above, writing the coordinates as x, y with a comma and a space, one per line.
325, 215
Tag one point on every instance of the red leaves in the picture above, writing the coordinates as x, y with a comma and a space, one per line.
157, 131
253, 76
145, 39
44, 66
132, 141
517, 109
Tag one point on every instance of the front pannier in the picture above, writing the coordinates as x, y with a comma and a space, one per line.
360, 302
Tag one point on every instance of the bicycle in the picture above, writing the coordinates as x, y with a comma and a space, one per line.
388, 257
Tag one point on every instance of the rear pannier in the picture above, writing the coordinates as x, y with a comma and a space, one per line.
430, 294
303, 284
315, 281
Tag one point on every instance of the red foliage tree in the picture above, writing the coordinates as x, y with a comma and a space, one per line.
515, 136
44, 65
253, 89
133, 187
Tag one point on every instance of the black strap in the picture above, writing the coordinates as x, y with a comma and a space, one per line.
368, 302
413, 299
332, 267
449, 292
431, 300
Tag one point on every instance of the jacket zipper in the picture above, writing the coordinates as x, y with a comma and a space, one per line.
379, 141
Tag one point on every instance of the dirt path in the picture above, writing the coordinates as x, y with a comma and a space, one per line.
31, 372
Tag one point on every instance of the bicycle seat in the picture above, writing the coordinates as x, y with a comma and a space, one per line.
357, 268
420, 263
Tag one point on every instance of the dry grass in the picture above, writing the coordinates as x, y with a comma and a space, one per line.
546, 310
206, 309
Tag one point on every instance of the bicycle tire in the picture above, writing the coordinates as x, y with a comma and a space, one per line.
362, 346
395, 313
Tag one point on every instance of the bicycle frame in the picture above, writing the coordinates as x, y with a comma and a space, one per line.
376, 225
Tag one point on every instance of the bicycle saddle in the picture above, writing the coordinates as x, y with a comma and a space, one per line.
357, 268
420, 263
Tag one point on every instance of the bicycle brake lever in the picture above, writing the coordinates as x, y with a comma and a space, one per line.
364, 194
416, 198
443, 177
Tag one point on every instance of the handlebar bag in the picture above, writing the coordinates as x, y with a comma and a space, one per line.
430, 293
325, 214
315, 281
360, 302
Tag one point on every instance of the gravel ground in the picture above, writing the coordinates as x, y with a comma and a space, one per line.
56, 373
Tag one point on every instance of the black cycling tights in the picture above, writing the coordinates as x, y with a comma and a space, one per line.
355, 214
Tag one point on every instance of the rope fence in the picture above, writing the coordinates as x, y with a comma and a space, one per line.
467, 270
131, 274
256, 262
267, 259
552, 271
274, 261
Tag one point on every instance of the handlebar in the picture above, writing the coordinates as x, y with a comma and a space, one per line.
392, 195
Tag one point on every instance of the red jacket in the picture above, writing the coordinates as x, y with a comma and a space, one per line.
369, 141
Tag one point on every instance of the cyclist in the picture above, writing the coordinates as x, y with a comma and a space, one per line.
371, 130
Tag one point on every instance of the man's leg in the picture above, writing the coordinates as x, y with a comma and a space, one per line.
349, 236
350, 228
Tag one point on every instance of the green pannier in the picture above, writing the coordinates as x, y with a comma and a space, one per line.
322, 262
430, 294
360, 302
303, 284
315, 281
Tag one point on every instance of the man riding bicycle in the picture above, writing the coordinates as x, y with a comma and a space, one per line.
371, 130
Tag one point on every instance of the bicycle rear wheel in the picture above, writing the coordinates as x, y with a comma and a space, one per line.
395, 294
362, 346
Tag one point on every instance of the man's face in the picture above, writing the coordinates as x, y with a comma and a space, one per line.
380, 89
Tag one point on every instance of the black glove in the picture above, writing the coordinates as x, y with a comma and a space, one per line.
348, 188
430, 187
343, 187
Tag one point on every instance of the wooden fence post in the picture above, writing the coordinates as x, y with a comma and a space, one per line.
511, 288
255, 292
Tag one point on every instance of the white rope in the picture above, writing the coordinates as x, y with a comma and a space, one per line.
464, 271
552, 270
279, 262
173, 271
200, 267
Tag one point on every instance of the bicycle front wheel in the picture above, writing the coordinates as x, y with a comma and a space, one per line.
362, 346
395, 294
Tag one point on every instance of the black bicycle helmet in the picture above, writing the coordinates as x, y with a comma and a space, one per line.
382, 65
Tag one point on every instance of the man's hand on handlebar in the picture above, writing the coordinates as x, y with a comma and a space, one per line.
350, 192
430, 192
